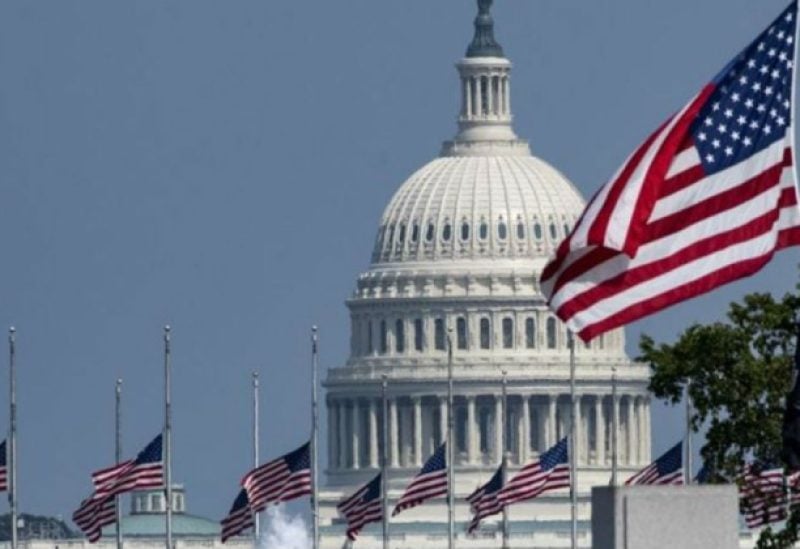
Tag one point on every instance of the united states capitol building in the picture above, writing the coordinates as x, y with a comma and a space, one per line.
459, 250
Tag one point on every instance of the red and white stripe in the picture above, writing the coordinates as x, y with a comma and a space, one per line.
424, 487
131, 477
661, 231
762, 496
358, 513
93, 515
650, 476
104, 476
532, 481
482, 505
274, 482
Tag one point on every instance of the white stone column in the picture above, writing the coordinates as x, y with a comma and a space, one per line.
394, 432
333, 454
630, 432
355, 431
417, 402
498, 428
479, 81
600, 431
507, 93
551, 422
471, 430
373, 434
443, 421
648, 442
525, 435
341, 432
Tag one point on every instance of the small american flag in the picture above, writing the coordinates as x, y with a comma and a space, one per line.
285, 478
483, 502
707, 199
93, 515
239, 518
763, 494
431, 482
667, 469
550, 472
146, 471
3, 467
362, 508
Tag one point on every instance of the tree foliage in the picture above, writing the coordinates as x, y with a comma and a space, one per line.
738, 374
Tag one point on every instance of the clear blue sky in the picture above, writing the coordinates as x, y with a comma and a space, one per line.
221, 166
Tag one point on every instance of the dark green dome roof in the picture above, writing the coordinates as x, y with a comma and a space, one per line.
153, 525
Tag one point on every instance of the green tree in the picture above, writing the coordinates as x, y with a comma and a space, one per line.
738, 374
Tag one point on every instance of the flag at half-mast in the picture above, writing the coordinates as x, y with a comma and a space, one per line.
239, 518
431, 482
708, 198
94, 514
362, 508
667, 469
549, 472
285, 478
3, 467
483, 501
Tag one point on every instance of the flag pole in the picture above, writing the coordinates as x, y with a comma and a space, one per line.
118, 452
504, 459
384, 480
256, 517
167, 439
12, 447
687, 473
614, 426
314, 434
450, 445
573, 453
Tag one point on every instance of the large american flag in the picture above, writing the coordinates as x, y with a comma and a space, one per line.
285, 478
706, 199
431, 482
3, 467
239, 518
146, 471
363, 507
94, 514
483, 501
667, 469
549, 472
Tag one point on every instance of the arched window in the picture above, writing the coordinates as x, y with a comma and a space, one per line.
502, 229
402, 236
483, 230
465, 231
486, 339
384, 344
399, 336
551, 333
530, 333
508, 333
391, 235
537, 230
414, 232
438, 335
447, 231
370, 342
461, 332
429, 233
418, 334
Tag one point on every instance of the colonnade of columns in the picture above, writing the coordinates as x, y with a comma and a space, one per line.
485, 95
418, 425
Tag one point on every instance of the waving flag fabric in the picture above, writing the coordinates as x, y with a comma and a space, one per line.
285, 478
483, 501
708, 198
3, 467
93, 515
549, 472
667, 469
362, 508
239, 518
431, 482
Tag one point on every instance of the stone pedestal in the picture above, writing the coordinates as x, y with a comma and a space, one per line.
656, 517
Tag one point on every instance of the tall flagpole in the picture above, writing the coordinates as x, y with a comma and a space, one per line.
256, 521
614, 426
687, 472
451, 505
504, 460
573, 454
314, 433
167, 439
384, 480
118, 452
12, 446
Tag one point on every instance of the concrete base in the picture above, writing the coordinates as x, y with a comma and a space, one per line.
656, 517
